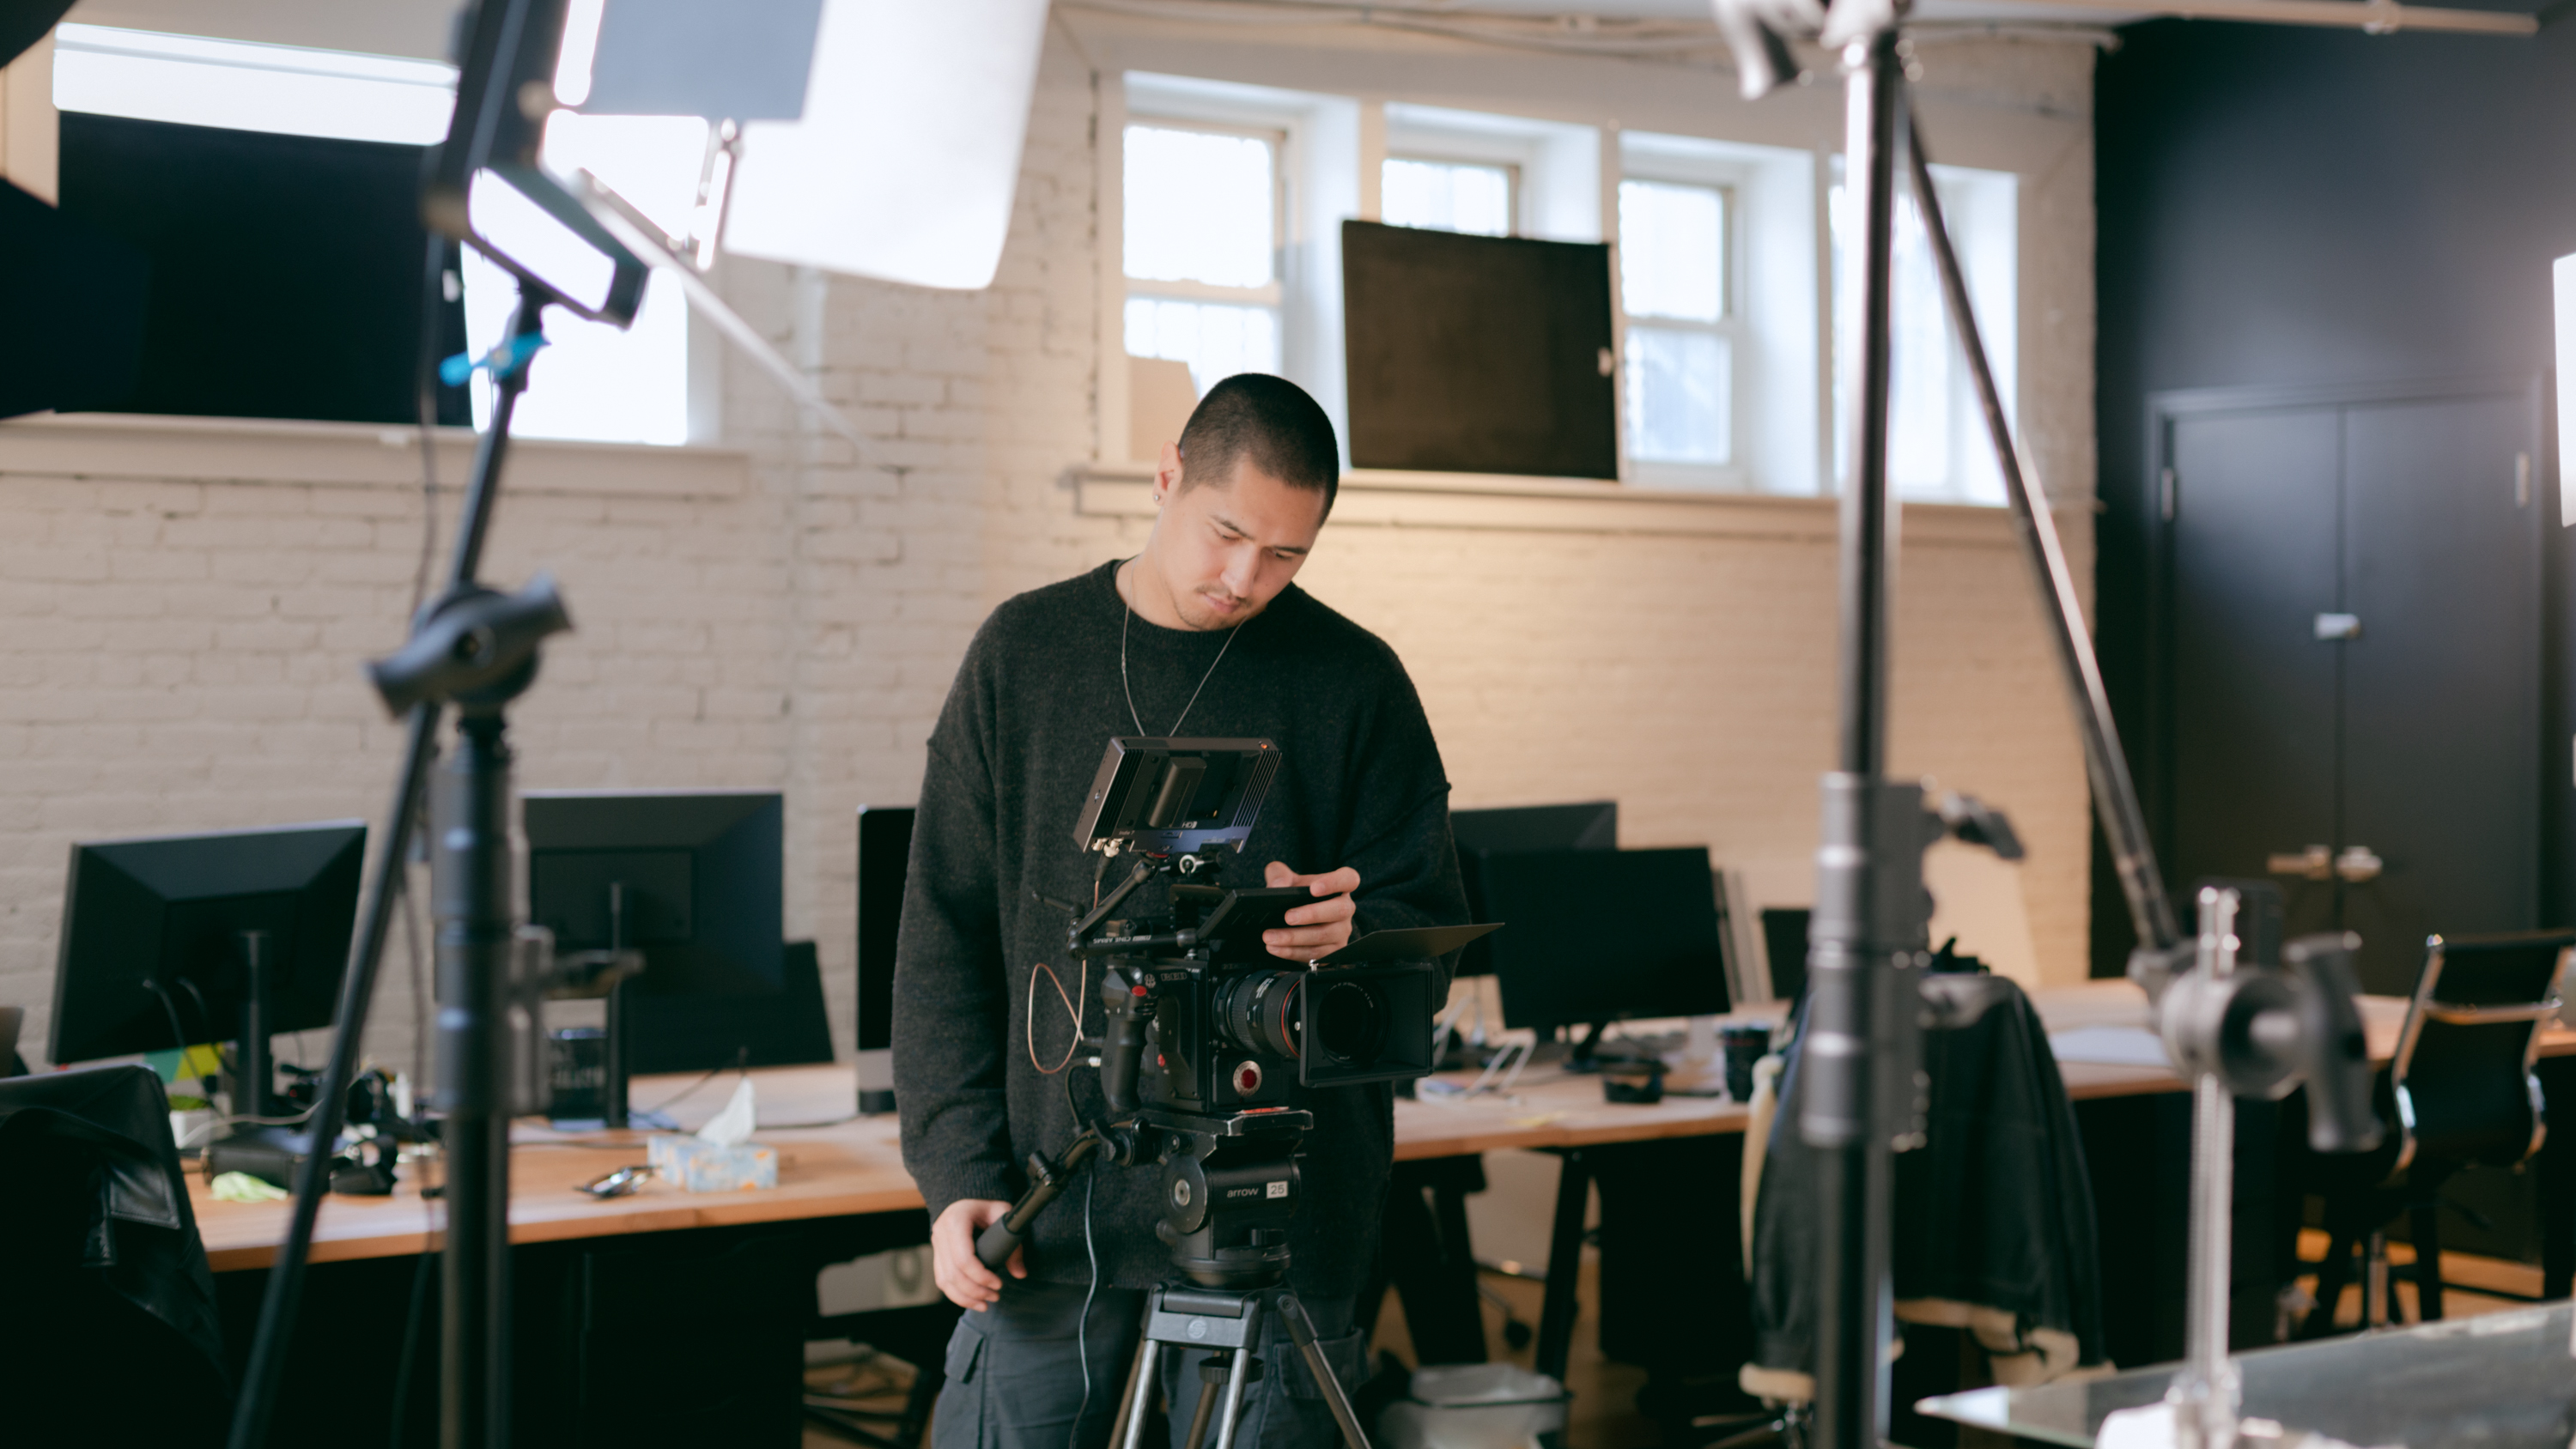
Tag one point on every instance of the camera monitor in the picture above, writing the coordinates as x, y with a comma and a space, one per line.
182, 939
1591, 825
1605, 935
693, 879
1176, 796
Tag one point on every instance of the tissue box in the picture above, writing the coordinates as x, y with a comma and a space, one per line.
698, 1165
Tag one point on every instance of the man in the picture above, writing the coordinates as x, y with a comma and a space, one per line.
1201, 634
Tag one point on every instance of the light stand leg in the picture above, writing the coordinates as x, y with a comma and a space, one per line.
470, 888
2115, 794
254, 1073
277, 1312
2206, 1394
1863, 872
1301, 1329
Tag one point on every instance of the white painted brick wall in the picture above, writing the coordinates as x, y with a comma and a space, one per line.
183, 655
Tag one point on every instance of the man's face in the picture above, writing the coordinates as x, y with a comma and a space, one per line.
1225, 549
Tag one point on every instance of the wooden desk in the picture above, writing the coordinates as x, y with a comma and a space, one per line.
854, 1166
844, 1169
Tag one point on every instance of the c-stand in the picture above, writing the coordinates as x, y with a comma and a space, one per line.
475, 649
2251, 1033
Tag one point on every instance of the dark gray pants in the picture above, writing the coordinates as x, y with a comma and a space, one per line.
1015, 1375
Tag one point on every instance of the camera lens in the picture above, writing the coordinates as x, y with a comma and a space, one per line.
1350, 1024
1260, 1011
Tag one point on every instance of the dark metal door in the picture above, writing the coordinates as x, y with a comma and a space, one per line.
2352, 702
2441, 685
2253, 705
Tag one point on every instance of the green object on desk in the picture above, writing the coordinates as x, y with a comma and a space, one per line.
242, 1187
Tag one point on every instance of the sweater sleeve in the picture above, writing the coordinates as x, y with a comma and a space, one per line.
951, 1000
1397, 835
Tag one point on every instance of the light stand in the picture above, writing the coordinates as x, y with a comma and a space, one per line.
2235, 1033
475, 649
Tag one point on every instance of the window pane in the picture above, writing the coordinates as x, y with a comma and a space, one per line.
1199, 207
1920, 388
1447, 197
1679, 387
1672, 250
1216, 340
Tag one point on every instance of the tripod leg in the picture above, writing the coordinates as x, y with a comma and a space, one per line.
1238, 1376
1206, 1411
1139, 1403
1302, 1329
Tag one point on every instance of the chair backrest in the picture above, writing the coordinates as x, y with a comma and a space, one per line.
97, 1229
2463, 1080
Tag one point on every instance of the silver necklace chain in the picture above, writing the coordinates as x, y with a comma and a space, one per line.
1126, 617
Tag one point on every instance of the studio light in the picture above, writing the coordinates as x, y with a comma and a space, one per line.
525, 221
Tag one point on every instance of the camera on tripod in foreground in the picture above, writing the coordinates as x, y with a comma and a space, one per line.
1205, 1035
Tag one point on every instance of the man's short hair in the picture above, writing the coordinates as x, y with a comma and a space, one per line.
1269, 420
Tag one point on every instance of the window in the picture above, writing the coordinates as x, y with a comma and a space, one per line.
1449, 195
1673, 259
1938, 450
1202, 228
592, 382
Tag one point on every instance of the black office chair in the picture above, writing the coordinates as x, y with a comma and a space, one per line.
11, 1064
2460, 1093
111, 1331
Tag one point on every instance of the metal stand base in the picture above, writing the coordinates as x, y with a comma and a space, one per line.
1228, 1323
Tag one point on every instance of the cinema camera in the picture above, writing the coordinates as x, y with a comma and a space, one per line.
1233, 1031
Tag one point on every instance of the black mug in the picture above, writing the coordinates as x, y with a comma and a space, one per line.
1743, 1046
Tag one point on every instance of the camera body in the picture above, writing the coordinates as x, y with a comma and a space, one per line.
1228, 1027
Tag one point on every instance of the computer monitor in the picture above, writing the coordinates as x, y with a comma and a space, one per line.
691, 878
1605, 935
885, 852
178, 939
1784, 945
1591, 825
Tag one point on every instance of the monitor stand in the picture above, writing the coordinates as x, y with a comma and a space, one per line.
265, 1150
587, 969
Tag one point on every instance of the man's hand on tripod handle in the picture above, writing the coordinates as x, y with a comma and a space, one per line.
1324, 927
953, 1264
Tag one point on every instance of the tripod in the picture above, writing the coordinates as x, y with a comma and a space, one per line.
1229, 1192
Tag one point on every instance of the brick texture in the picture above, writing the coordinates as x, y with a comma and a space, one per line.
184, 654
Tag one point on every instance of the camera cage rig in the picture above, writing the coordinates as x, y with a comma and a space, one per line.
1213, 1109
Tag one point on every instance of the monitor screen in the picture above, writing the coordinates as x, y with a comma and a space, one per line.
1605, 935
693, 879
154, 935
1592, 825
885, 851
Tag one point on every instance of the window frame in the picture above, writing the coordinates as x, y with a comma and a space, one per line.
1513, 187
1726, 178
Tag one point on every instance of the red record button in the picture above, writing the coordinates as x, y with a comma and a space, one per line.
1247, 1078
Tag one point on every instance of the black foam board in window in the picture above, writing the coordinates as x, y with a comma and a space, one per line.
1476, 354
287, 271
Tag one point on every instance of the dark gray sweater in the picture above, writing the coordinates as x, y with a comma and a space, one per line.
1035, 704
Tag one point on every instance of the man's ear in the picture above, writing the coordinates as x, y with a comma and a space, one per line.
1167, 474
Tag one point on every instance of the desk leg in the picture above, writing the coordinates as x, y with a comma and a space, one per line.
1564, 1264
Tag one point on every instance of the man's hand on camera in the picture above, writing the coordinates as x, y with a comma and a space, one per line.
953, 1264
1316, 930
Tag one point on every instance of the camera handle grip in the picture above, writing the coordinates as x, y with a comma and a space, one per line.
994, 1245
